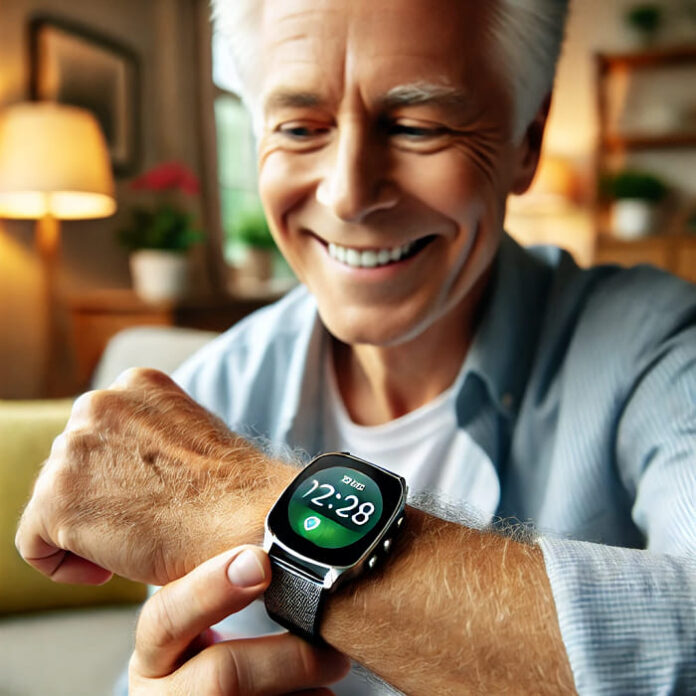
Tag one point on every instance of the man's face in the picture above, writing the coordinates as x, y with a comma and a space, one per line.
385, 157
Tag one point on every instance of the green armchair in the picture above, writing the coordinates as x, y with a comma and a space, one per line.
27, 429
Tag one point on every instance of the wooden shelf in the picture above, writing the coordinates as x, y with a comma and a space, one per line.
617, 74
649, 142
668, 55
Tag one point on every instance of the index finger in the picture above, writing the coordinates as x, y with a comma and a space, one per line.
41, 551
179, 612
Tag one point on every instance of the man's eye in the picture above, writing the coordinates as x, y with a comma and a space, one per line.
415, 132
302, 132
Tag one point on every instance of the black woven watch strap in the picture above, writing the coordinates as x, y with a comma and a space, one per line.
295, 601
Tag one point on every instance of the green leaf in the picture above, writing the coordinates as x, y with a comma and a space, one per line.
165, 228
252, 229
633, 184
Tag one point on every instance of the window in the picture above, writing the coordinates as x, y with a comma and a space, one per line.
243, 224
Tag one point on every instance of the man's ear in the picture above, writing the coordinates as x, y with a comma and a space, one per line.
529, 149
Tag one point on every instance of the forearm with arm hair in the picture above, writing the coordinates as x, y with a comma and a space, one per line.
454, 611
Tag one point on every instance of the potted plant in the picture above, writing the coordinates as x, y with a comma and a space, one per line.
645, 20
161, 233
635, 197
260, 249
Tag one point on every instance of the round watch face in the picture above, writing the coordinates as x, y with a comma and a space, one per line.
336, 507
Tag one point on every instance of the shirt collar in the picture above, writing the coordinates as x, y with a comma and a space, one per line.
301, 418
503, 348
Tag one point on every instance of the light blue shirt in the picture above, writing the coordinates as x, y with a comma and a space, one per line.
580, 391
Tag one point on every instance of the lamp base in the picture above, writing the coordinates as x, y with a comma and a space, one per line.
57, 366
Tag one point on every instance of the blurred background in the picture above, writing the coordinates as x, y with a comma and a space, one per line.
617, 181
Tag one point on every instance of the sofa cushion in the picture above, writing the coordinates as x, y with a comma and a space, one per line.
27, 429
161, 347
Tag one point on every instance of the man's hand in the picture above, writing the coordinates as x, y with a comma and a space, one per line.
176, 653
145, 483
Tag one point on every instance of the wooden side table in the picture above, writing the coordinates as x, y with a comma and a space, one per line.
95, 318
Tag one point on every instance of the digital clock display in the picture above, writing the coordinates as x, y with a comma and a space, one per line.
335, 508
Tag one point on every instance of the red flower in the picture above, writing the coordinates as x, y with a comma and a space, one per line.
167, 177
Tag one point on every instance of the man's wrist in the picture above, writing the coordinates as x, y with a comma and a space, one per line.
237, 517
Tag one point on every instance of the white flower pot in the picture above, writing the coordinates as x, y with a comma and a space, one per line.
632, 218
159, 276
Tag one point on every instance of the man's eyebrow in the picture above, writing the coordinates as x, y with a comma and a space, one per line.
450, 98
426, 93
289, 99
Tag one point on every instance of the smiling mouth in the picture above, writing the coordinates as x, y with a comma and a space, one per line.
374, 258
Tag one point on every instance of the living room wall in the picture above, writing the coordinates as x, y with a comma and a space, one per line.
162, 33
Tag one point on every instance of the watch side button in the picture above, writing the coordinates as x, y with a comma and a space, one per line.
400, 522
372, 562
387, 545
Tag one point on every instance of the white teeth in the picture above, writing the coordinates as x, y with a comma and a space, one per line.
337, 252
352, 257
370, 258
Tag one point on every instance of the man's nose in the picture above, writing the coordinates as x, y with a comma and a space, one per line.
357, 182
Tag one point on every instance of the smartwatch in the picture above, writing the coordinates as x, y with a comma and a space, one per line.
337, 519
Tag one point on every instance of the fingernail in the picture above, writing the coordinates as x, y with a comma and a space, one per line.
246, 570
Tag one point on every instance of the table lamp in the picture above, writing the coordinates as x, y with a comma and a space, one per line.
54, 165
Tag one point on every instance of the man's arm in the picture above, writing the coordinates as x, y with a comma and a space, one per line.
628, 616
147, 484
455, 611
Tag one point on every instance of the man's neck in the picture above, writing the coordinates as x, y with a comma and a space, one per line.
379, 384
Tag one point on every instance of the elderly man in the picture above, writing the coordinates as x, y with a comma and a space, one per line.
499, 383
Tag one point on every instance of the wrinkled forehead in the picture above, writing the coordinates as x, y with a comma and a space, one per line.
339, 42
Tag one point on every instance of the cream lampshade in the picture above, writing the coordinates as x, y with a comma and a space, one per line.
53, 161
54, 165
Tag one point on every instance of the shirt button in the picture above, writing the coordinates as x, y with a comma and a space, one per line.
507, 400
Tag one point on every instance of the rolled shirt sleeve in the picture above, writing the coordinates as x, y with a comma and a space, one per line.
628, 616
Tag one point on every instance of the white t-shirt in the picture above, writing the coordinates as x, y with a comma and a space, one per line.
424, 446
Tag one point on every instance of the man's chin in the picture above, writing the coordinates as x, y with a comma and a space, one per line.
371, 329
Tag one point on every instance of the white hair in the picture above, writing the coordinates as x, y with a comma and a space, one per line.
528, 33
